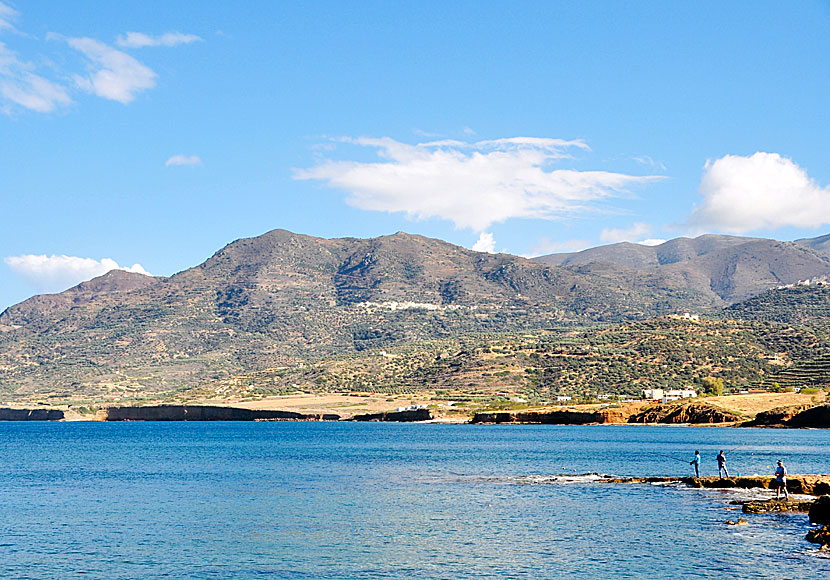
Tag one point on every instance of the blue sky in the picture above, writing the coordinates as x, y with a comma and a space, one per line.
148, 135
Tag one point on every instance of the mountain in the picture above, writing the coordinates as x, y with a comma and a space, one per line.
820, 244
282, 298
724, 269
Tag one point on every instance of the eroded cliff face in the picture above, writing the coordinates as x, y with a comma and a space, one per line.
204, 413
692, 413
407, 416
556, 417
30, 414
804, 416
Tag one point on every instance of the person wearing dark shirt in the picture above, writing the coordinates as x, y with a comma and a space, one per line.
722, 465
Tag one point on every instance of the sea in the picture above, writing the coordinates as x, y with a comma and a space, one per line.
320, 500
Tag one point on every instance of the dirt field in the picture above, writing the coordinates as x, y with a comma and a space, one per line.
753, 404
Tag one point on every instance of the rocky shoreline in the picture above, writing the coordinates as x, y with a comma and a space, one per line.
694, 413
818, 509
684, 413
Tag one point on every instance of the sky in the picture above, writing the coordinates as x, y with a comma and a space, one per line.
148, 135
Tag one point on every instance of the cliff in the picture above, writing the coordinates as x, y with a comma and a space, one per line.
558, 417
696, 412
30, 415
407, 416
205, 413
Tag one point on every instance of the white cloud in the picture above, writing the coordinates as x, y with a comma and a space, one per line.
7, 16
140, 40
57, 273
485, 243
26, 89
471, 184
183, 160
113, 75
761, 191
638, 230
652, 242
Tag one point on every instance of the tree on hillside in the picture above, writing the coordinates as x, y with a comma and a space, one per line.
713, 385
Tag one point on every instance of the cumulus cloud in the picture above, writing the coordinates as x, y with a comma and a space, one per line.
636, 231
183, 160
486, 243
140, 40
19, 85
56, 273
760, 191
471, 184
113, 74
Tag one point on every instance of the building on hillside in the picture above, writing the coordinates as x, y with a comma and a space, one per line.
653, 394
677, 394
666, 395
563, 398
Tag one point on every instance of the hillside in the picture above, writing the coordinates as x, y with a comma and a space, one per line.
539, 366
281, 298
798, 305
724, 269
289, 301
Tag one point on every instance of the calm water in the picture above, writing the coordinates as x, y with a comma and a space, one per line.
331, 500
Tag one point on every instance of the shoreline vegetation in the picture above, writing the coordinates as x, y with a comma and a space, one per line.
784, 410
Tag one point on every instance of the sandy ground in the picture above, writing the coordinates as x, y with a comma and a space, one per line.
343, 405
755, 403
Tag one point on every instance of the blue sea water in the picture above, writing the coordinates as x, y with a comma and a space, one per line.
371, 500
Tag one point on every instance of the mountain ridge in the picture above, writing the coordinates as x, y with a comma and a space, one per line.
283, 298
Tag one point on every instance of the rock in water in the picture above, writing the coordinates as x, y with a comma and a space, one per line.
820, 536
820, 511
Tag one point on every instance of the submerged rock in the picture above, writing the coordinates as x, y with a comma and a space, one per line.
819, 536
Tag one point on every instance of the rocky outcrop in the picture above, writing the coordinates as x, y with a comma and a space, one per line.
816, 417
778, 417
557, 417
820, 511
801, 484
30, 414
805, 416
776, 505
696, 412
408, 416
819, 536
205, 413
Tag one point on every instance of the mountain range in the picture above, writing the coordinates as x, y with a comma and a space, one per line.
283, 298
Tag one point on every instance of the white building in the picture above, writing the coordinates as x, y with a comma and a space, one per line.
668, 395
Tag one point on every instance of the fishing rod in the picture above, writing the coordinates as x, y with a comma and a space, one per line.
734, 449
672, 457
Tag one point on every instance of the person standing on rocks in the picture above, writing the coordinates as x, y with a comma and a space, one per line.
696, 463
781, 481
722, 465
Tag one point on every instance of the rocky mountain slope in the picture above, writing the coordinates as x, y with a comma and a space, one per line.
281, 298
284, 299
725, 269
